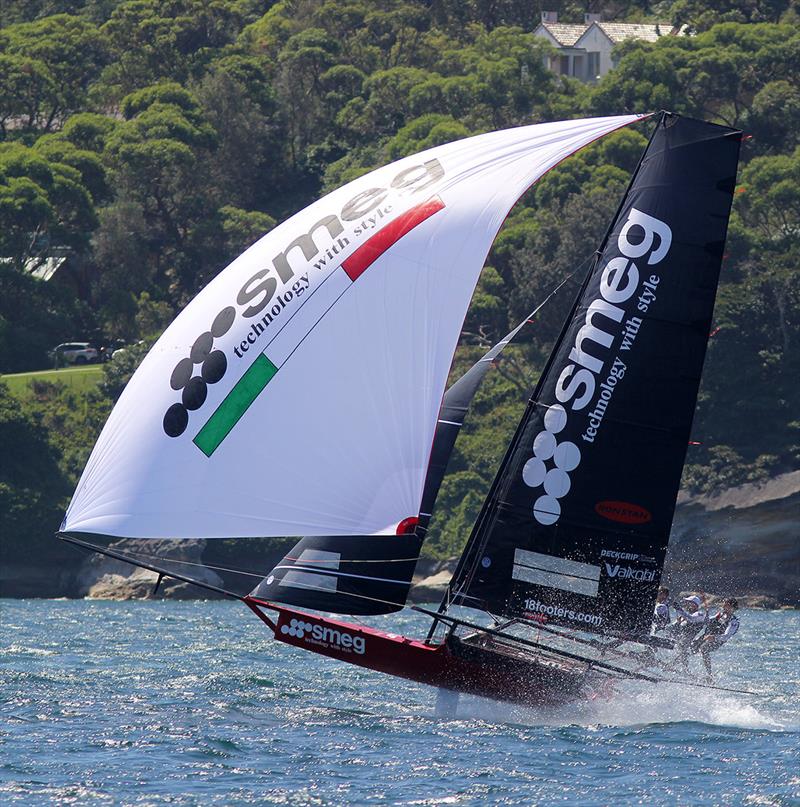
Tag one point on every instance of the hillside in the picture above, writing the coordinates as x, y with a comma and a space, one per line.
144, 144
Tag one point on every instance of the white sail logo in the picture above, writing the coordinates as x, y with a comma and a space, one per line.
577, 383
565, 456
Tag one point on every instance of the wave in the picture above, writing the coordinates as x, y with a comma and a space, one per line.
634, 706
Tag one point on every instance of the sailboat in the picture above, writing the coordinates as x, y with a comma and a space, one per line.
302, 393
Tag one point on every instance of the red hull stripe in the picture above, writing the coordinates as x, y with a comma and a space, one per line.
372, 249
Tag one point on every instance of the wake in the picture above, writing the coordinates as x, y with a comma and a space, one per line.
637, 704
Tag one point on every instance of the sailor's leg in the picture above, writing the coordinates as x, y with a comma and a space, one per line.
706, 650
446, 704
681, 658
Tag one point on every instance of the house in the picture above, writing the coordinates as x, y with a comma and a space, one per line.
584, 51
57, 266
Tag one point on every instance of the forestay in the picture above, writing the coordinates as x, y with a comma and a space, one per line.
577, 524
298, 393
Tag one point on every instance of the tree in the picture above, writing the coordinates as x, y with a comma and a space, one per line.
152, 41
32, 488
247, 166
156, 157
714, 75
26, 89
66, 54
43, 204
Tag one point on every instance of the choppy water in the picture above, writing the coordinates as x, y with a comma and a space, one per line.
193, 704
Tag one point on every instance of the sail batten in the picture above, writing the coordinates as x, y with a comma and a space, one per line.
298, 393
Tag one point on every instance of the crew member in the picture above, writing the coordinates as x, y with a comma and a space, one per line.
661, 619
661, 616
719, 629
692, 618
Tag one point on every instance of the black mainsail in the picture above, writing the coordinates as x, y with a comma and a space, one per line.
576, 525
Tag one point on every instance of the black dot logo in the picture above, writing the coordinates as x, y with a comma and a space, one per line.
213, 365
181, 374
202, 347
176, 420
194, 393
223, 321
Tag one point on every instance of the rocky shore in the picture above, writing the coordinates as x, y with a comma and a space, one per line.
741, 542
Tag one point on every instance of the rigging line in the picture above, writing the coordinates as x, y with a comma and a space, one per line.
354, 560
449, 595
258, 575
453, 620
337, 573
599, 664
479, 535
395, 603
590, 642
536, 645
166, 572
190, 563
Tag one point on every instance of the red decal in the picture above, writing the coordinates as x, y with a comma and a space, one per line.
624, 512
407, 526
371, 250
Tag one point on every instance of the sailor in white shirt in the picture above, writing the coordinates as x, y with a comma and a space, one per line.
661, 615
692, 618
719, 629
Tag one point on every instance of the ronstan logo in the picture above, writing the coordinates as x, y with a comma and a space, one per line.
624, 512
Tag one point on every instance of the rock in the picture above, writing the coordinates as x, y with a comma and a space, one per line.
740, 542
104, 577
431, 588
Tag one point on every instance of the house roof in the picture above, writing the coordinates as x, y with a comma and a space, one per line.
568, 35
45, 269
619, 31
565, 34
40, 268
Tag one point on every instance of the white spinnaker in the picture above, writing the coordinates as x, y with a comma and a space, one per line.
337, 441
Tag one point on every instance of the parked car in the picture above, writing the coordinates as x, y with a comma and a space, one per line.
74, 353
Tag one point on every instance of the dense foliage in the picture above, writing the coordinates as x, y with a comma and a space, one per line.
148, 142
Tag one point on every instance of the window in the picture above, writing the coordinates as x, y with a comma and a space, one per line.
593, 66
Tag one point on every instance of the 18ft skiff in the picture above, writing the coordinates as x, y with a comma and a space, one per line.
302, 393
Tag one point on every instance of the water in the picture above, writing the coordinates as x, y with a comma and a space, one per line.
193, 704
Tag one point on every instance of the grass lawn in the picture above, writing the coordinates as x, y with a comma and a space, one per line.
80, 379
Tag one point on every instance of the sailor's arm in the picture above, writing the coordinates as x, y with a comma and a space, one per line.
697, 618
733, 626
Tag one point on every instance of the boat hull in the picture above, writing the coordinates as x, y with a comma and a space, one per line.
462, 666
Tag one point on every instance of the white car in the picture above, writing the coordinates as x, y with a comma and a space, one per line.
75, 353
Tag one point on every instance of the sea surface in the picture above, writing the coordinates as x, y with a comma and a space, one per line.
193, 704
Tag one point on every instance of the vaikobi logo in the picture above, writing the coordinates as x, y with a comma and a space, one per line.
627, 573
325, 636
